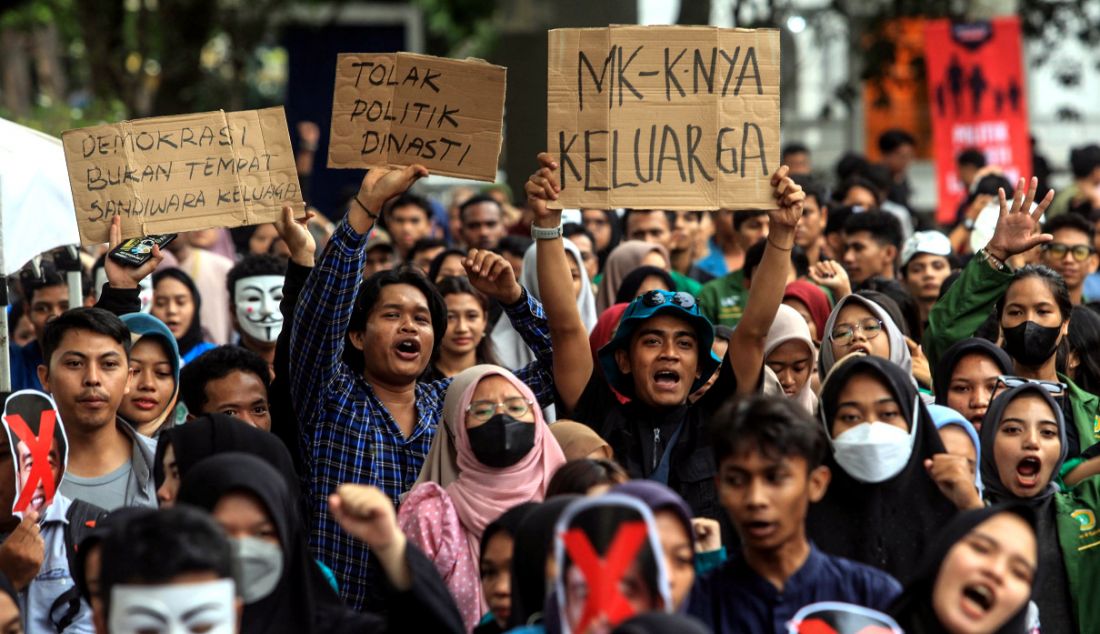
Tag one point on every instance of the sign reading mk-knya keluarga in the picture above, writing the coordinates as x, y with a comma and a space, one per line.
182, 173
664, 117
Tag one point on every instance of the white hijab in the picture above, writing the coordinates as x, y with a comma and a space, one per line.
510, 349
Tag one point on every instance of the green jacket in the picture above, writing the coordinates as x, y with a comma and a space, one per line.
965, 306
1079, 538
722, 300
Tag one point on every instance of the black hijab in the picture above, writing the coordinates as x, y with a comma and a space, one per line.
887, 524
193, 336
945, 367
534, 541
628, 290
212, 434
913, 609
303, 601
1053, 595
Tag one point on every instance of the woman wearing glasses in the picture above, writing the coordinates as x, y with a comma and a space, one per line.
1033, 308
1024, 450
858, 324
497, 452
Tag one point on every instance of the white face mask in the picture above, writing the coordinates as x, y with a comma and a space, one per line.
874, 452
257, 306
174, 609
145, 288
261, 565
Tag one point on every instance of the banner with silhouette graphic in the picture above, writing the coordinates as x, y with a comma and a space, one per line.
978, 99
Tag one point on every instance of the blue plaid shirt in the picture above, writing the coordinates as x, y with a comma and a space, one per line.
347, 433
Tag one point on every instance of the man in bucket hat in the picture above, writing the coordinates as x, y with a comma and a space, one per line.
660, 355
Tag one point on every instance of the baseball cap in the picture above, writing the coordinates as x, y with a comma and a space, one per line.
378, 238
930, 242
657, 302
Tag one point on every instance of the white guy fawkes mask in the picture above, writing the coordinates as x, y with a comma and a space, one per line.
145, 288
257, 306
174, 609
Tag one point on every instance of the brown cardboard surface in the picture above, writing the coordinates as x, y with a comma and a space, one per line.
664, 117
403, 108
182, 173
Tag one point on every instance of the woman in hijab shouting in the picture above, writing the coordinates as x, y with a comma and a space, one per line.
282, 587
882, 505
497, 452
1024, 449
977, 577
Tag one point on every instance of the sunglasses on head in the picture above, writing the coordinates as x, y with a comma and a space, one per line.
655, 298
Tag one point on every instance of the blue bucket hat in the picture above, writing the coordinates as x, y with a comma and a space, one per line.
656, 302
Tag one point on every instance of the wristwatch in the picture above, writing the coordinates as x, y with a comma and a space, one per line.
546, 233
968, 224
993, 261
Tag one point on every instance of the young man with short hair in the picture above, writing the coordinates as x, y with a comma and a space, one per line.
408, 219
255, 287
228, 380
898, 149
769, 456
45, 297
1071, 253
926, 261
584, 241
810, 233
482, 220
722, 300
872, 240
87, 371
364, 415
796, 156
424, 251
380, 254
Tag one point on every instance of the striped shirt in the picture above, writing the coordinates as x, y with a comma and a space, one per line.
347, 433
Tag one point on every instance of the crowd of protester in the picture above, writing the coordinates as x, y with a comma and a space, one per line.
480, 414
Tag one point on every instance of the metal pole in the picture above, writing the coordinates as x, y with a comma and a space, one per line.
73, 278
5, 365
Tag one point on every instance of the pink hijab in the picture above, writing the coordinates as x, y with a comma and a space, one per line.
481, 494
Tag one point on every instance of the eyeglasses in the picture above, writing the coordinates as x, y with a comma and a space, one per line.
1057, 250
656, 298
844, 333
515, 407
1054, 388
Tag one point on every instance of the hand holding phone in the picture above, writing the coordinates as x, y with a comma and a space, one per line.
137, 251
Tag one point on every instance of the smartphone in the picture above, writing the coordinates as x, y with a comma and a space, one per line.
137, 251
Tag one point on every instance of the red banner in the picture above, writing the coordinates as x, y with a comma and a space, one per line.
977, 94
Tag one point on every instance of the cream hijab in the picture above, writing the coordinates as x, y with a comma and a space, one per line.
790, 326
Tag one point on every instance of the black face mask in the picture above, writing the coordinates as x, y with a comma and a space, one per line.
502, 441
1031, 344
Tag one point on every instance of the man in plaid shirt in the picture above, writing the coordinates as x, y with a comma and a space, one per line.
365, 418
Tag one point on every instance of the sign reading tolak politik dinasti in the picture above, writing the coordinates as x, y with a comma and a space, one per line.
182, 173
403, 108
664, 117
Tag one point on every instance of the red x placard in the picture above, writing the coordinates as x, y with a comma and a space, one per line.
40, 455
603, 575
819, 626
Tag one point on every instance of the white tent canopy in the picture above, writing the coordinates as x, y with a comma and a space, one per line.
36, 205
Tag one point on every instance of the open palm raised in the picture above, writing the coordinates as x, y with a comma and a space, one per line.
1017, 227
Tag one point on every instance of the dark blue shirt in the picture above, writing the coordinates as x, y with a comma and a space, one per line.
735, 599
24, 366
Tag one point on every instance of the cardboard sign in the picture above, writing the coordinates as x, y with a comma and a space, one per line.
182, 173
664, 117
39, 449
402, 108
976, 82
